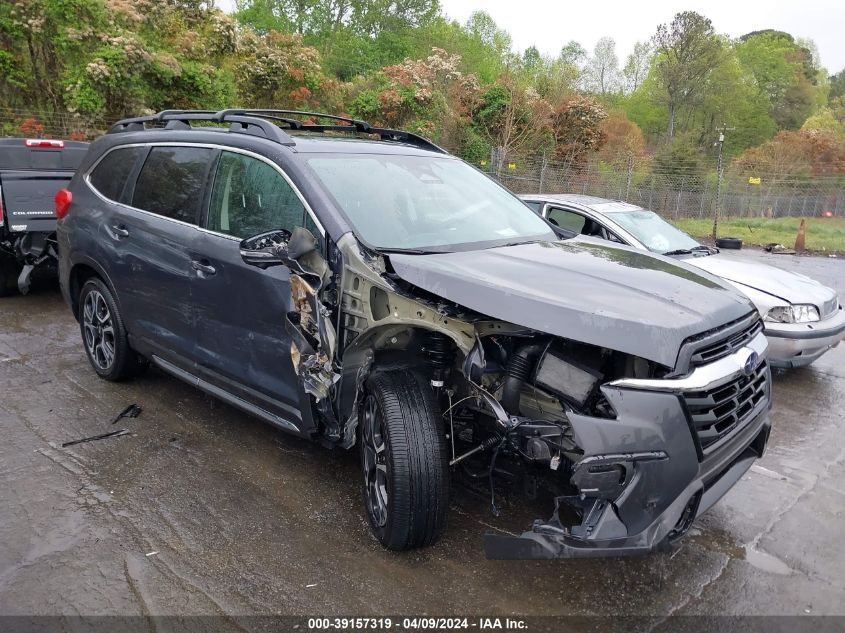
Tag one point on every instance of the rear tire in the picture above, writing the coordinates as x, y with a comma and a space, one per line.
9, 271
405, 460
104, 335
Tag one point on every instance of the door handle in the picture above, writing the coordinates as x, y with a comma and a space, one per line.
203, 266
119, 231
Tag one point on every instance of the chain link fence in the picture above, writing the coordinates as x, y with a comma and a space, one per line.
676, 193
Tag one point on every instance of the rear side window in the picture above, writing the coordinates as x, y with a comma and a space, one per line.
109, 176
251, 197
171, 182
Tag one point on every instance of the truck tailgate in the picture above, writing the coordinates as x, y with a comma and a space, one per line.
28, 199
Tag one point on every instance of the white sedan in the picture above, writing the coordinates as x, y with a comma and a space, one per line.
802, 318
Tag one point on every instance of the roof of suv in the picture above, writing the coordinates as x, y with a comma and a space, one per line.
279, 127
312, 143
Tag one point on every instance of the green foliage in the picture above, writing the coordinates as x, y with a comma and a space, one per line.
688, 50
837, 85
84, 63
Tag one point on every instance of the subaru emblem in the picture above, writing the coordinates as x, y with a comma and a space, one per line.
750, 363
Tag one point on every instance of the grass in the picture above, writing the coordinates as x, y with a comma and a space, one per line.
822, 234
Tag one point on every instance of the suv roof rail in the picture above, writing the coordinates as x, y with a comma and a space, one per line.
265, 123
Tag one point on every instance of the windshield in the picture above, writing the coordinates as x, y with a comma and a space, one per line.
649, 228
424, 202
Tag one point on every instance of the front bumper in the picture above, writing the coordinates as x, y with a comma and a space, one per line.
549, 540
667, 478
799, 344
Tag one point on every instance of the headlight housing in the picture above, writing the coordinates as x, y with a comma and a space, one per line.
801, 313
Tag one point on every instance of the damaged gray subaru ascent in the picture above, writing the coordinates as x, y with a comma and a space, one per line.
358, 286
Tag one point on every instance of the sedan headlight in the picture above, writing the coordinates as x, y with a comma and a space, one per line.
802, 313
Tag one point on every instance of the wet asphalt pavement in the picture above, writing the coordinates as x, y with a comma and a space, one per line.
204, 510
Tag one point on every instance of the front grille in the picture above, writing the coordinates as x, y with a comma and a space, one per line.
716, 412
720, 349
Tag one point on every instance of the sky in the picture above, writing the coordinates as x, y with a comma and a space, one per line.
549, 24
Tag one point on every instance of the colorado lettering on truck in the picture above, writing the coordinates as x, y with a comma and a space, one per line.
31, 172
360, 287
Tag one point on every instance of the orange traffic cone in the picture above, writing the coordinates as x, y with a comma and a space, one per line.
799, 241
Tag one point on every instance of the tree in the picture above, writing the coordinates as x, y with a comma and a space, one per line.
837, 84
601, 74
637, 65
577, 128
784, 72
624, 143
512, 116
687, 51
794, 156
573, 53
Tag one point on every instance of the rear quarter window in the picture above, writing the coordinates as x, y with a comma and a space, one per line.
110, 175
171, 182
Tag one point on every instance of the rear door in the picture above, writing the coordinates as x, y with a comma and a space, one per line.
152, 237
242, 345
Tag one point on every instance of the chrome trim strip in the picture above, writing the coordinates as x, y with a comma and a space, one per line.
225, 148
704, 377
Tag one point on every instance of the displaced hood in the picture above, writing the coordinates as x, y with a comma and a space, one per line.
789, 286
595, 293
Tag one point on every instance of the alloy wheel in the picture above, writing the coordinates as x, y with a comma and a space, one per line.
99, 330
374, 461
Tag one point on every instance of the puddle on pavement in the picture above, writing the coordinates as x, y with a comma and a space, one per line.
766, 562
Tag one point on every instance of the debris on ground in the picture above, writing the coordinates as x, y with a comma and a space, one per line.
778, 249
93, 438
153, 553
132, 411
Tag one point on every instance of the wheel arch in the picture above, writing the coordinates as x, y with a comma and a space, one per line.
359, 360
80, 272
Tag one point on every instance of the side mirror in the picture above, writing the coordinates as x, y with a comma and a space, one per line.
266, 249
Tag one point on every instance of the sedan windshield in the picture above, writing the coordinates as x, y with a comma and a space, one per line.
649, 228
425, 203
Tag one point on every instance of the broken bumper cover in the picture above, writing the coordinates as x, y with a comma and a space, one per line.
663, 496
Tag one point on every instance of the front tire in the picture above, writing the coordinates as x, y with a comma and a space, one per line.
104, 334
405, 460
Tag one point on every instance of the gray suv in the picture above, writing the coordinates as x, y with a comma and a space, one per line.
357, 285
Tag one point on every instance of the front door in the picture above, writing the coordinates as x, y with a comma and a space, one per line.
242, 345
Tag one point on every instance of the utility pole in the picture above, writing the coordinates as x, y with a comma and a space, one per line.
719, 172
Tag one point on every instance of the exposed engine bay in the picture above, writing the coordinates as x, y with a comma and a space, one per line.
506, 392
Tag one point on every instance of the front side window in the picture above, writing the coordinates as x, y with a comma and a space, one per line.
110, 175
171, 182
424, 202
250, 197
566, 219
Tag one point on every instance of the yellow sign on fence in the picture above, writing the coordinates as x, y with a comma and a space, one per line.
754, 180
